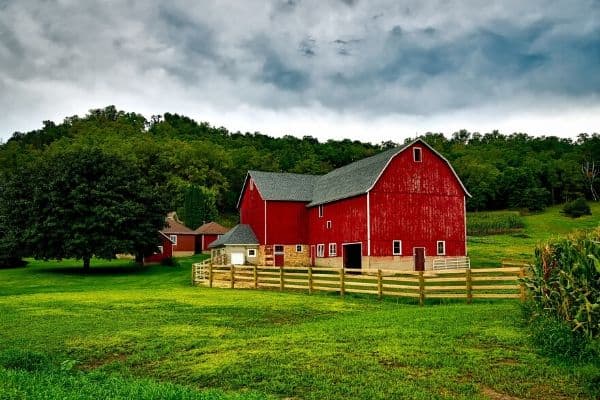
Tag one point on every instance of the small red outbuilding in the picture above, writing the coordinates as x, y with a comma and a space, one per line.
208, 233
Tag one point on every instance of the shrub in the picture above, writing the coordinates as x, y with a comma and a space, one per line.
169, 262
577, 208
565, 292
11, 262
491, 223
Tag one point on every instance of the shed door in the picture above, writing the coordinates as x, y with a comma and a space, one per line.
279, 259
237, 258
419, 255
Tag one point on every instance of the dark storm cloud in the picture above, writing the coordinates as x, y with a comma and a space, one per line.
373, 58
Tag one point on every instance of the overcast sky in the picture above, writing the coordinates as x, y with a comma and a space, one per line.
368, 70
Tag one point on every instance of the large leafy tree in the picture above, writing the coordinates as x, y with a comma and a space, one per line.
84, 202
199, 206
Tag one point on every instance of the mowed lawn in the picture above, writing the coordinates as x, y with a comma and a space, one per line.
128, 332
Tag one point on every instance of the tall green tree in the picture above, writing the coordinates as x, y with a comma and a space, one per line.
199, 206
83, 202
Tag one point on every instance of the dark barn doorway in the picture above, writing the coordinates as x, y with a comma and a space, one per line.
353, 255
419, 255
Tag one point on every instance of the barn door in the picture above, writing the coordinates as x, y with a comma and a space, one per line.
279, 259
419, 255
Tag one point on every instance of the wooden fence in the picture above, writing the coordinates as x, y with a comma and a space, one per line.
468, 284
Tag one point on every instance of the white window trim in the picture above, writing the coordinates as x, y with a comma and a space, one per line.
160, 249
251, 250
437, 247
298, 248
394, 246
332, 249
415, 153
329, 224
173, 239
320, 207
321, 250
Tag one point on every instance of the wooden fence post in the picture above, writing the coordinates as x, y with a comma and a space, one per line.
281, 281
255, 277
522, 284
210, 274
469, 287
379, 284
342, 286
421, 288
193, 274
310, 280
232, 276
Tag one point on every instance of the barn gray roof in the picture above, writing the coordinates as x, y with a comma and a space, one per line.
239, 234
341, 183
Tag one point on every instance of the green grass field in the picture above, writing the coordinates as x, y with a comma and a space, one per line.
128, 332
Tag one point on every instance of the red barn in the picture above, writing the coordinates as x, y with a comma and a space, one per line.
182, 237
165, 250
401, 209
208, 233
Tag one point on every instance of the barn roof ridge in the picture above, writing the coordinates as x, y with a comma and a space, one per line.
175, 227
350, 180
211, 228
239, 234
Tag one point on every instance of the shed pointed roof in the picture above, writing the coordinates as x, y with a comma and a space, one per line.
175, 227
239, 234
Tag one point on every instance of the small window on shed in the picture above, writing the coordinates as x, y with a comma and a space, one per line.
321, 211
160, 250
397, 247
251, 252
298, 248
173, 239
441, 248
417, 156
328, 224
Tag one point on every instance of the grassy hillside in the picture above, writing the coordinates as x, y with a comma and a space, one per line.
127, 332
490, 250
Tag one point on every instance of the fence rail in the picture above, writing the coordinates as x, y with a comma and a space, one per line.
468, 284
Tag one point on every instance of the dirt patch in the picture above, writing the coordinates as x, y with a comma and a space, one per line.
93, 364
493, 395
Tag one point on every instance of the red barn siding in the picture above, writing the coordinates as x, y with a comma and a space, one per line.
208, 239
348, 224
202, 242
185, 243
286, 222
252, 211
418, 203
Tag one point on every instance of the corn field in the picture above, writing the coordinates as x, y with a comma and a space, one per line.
565, 281
492, 223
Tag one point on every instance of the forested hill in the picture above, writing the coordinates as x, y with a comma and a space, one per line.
514, 171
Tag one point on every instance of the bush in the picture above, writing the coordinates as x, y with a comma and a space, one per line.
491, 223
577, 208
565, 292
12, 262
169, 262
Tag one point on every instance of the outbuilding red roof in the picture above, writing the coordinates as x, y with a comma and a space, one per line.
211, 228
176, 228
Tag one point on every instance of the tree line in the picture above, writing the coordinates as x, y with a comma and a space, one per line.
171, 162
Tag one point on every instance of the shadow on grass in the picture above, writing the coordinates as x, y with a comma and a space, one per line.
117, 270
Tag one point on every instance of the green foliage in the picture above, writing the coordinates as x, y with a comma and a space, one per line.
565, 282
26, 360
199, 206
80, 201
577, 208
493, 223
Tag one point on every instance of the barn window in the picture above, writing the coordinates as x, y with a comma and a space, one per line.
332, 249
441, 248
328, 224
298, 248
321, 250
397, 247
279, 248
417, 154
173, 239
251, 184
160, 249
251, 252
321, 211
